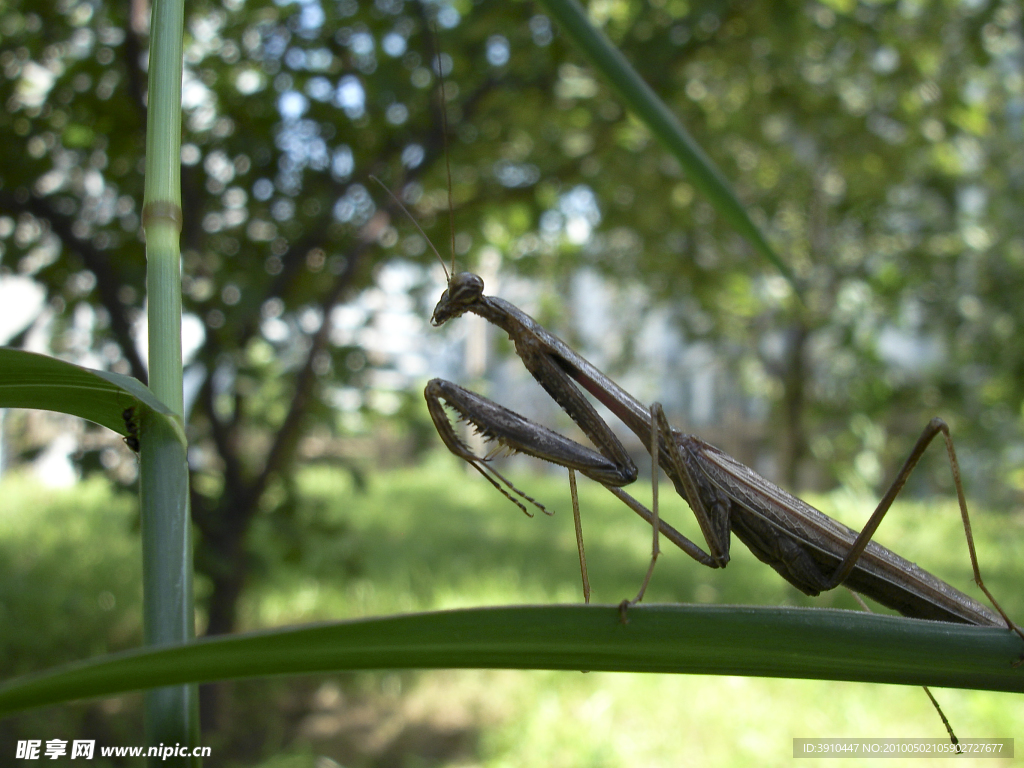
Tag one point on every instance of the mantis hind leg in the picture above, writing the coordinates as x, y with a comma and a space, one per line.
934, 427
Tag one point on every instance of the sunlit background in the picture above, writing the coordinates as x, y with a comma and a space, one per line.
879, 146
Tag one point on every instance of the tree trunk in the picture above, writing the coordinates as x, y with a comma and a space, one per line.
794, 400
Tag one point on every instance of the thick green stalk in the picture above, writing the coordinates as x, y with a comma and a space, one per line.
171, 713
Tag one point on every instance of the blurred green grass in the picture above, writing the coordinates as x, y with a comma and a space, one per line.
437, 537
70, 588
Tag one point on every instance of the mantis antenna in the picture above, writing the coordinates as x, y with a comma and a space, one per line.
448, 170
417, 225
444, 139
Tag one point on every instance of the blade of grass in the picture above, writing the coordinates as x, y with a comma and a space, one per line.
653, 112
728, 640
28, 380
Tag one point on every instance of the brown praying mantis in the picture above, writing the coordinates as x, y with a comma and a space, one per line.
810, 550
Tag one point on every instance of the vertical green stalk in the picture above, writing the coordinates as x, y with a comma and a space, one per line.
171, 713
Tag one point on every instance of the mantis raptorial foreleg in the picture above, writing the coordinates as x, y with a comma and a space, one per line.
516, 433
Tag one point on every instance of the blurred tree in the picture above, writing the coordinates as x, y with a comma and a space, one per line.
878, 144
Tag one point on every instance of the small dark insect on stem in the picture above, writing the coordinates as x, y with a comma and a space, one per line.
131, 425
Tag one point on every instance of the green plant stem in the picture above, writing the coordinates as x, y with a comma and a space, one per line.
168, 613
171, 713
163, 288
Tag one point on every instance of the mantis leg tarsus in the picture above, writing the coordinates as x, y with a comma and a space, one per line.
520, 493
945, 722
475, 464
623, 611
928, 693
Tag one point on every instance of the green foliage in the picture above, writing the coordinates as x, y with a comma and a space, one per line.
70, 582
113, 400
657, 638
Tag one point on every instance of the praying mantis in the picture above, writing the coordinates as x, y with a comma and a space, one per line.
810, 550
806, 547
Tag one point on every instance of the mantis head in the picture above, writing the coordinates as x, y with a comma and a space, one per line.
464, 290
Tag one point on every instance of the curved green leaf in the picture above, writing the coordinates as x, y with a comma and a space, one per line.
30, 380
653, 112
728, 640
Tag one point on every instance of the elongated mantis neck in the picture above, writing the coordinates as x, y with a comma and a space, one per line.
523, 330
